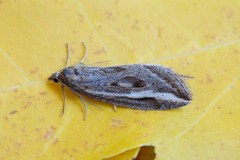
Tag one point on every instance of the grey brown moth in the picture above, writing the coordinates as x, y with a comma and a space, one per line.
137, 86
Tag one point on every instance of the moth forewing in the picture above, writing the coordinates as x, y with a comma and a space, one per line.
139, 86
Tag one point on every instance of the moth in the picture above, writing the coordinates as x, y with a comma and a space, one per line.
136, 86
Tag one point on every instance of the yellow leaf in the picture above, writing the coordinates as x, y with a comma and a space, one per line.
195, 38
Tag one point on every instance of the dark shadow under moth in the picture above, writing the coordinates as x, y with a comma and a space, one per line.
138, 86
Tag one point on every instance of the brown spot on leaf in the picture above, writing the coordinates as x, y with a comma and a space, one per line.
28, 104
159, 32
65, 151
100, 135
117, 123
37, 129
209, 79
18, 144
75, 150
48, 102
33, 70
49, 133
81, 17
109, 15
55, 141
99, 145
30, 97
86, 145
135, 25
141, 123
116, 2
102, 50
13, 112
236, 51
43, 93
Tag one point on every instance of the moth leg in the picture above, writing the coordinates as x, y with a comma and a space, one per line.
86, 52
92, 104
85, 107
64, 99
115, 108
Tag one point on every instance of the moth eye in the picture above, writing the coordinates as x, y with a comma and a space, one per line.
113, 69
129, 82
55, 80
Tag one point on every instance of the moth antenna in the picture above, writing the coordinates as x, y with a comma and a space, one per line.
86, 52
68, 52
85, 108
64, 99
115, 108
92, 104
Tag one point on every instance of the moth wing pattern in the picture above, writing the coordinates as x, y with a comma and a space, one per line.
138, 86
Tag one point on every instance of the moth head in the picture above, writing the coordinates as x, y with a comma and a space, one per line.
54, 77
